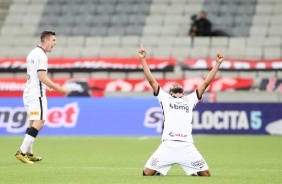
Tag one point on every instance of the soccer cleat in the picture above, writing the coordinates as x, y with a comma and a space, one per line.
23, 158
33, 158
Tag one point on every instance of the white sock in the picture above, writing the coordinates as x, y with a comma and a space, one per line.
28, 140
29, 149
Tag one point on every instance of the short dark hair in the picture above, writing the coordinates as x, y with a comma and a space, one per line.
46, 34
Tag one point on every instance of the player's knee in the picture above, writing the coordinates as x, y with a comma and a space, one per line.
204, 173
148, 172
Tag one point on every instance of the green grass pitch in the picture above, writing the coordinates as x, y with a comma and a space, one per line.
114, 160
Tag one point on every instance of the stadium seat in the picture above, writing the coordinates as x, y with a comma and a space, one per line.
219, 42
253, 53
129, 51
237, 42
192, 73
165, 41
79, 30
275, 30
201, 41
152, 30
130, 41
137, 19
255, 41
99, 75
154, 19
72, 52
162, 52
119, 19
117, 75
13, 19
69, 8
276, 19
240, 31
52, 9
224, 73
228, 9
158, 8
80, 75
64, 75
90, 52
246, 9
105, 8
265, 8
261, 20
266, 74
111, 41
243, 20
175, 9
235, 52
134, 30
116, 30
149, 40
109, 51
258, 30
272, 53
272, 42
135, 75
248, 74
199, 52
181, 52
98, 31
169, 30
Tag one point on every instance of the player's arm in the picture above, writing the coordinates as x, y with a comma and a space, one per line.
42, 75
146, 70
211, 75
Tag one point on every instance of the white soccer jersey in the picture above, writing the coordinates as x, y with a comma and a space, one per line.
36, 61
177, 114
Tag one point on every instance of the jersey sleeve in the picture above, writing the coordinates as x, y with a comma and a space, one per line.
194, 97
161, 94
42, 62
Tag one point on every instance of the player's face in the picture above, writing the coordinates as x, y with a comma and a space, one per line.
51, 42
176, 90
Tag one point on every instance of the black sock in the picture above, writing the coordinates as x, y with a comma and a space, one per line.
26, 130
32, 132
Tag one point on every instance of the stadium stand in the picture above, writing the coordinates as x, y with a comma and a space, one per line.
115, 28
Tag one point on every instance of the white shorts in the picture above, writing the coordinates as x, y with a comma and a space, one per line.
177, 152
36, 107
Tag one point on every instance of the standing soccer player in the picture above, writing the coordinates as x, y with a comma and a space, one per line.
177, 146
34, 96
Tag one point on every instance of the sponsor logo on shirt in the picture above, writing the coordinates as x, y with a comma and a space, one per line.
172, 134
179, 107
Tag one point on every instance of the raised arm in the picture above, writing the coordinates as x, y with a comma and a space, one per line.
211, 75
146, 69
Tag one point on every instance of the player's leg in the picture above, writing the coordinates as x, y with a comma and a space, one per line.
20, 155
192, 161
204, 173
160, 162
29, 150
37, 109
149, 172
33, 131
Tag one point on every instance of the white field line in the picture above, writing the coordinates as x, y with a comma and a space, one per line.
135, 168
